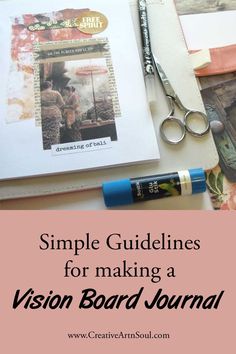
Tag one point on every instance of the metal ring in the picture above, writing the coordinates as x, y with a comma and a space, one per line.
180, 125
205, 120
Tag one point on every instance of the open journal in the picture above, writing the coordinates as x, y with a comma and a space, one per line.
73, 95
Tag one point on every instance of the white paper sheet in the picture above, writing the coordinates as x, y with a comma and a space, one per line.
209, 30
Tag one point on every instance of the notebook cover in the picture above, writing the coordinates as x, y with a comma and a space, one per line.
73, 93
169, 46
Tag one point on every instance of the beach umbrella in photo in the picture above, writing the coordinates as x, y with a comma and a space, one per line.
92, 71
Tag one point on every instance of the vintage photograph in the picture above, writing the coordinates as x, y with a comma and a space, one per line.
187, 7
76, 101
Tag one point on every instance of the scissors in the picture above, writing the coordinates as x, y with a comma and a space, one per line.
189, 114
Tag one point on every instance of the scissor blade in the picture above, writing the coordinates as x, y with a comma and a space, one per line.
164, 80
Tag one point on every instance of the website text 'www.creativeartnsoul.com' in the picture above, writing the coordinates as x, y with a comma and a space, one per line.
138, 335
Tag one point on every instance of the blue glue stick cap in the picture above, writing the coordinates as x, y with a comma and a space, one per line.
117, 193
198, 179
